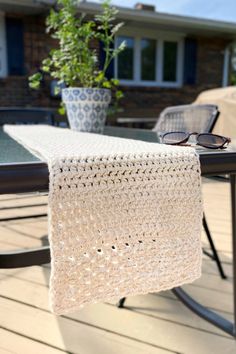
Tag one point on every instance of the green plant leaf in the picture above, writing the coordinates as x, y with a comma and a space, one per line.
107, 84
74, 61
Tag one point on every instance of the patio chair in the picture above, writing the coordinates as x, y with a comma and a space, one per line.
187, 118
20, 115
190, 118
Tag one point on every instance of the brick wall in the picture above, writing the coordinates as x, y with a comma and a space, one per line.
138, 101
149, 101
14, 90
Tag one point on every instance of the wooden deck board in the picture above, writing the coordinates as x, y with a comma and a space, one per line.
10, 341
67, 334
155, 323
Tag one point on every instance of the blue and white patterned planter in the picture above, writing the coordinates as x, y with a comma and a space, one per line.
86, 108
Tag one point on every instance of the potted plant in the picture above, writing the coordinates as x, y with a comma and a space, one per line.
74, 63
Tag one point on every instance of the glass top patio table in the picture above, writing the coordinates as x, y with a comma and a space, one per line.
13, 152
14, 156
20, 172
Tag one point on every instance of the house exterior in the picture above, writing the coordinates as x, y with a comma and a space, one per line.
168, 60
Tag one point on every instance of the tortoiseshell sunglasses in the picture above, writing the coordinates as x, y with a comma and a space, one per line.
207, 140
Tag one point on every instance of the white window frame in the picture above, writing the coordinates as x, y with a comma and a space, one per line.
160, 37
3, 47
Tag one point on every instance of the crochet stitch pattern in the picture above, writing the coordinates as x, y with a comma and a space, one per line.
125, 216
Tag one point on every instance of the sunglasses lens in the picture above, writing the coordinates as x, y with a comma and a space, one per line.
211, 140
174, 138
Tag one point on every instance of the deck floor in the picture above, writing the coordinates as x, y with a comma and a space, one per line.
155, 323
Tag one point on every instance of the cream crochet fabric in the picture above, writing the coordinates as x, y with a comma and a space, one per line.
124, 216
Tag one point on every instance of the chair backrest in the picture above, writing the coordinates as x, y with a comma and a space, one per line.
188, 118
9, 115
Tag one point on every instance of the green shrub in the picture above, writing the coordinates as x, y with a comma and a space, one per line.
74, 62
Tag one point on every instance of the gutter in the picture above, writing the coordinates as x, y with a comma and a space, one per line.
27, 3
165, 19
141, 16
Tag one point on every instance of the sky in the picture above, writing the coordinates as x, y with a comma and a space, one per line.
224, 10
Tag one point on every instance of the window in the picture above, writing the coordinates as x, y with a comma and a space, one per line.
170, 61
149, 61
126, 58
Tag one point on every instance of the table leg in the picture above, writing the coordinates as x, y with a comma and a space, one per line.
233, 211
202, 311
25, 258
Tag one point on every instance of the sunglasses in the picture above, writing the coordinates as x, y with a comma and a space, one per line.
207, 140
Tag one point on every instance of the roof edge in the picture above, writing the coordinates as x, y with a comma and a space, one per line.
133, 14
165, 18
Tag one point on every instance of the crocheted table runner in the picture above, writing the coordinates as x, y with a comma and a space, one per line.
124, 216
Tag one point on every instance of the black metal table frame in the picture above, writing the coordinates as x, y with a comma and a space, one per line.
33, 177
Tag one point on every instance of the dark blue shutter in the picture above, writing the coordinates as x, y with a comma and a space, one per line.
15, 46
110, 69
190, 61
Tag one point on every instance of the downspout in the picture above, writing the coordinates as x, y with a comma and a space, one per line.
225, 79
